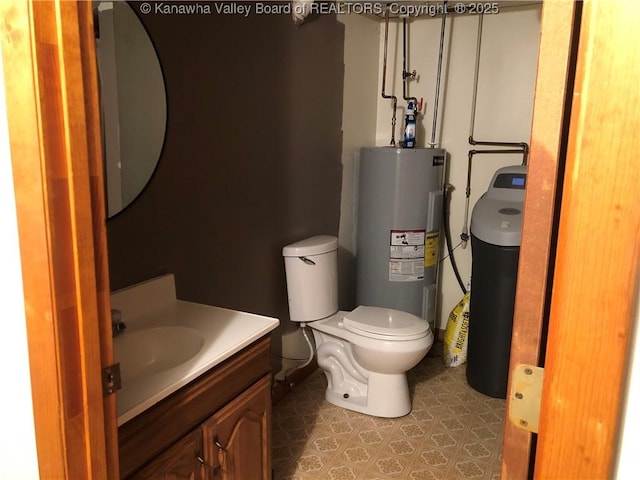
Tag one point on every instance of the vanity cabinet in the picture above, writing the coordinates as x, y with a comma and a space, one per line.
217, 427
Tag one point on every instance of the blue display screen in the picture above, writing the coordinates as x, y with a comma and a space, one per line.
511, 180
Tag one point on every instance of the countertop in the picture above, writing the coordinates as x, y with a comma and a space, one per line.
225, 332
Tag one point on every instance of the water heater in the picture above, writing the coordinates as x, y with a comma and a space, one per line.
399, 218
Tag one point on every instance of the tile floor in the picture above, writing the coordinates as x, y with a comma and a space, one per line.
453, 432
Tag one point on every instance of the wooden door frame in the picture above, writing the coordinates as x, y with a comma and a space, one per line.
597, 250
53, 117
552, 101
593, 300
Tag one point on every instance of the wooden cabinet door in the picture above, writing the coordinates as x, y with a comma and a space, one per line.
182, 461
238, 437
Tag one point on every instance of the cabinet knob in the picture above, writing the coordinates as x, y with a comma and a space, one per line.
221, 453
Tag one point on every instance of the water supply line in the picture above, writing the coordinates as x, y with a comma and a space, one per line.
384, 81
523, 146
288, 372
405, 73
511, 147
305, 333
433, 143
447, 235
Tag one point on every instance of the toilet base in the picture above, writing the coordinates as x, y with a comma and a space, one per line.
387, 396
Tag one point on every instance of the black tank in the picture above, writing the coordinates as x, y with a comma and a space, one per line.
493, 290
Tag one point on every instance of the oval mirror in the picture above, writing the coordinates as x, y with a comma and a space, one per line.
133, 103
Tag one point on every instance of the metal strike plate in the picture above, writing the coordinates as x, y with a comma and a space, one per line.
111, 379
525, 396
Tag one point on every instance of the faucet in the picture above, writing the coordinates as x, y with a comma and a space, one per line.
117, 325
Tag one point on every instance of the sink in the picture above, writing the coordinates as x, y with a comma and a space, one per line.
154, 350
169, 342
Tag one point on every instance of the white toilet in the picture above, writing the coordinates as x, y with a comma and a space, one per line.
365, 353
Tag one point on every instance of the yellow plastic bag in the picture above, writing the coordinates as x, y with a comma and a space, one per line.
454, 352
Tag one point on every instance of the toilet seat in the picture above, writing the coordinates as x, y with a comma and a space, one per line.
385, 324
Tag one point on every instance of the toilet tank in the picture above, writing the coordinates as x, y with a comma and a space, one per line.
311, 268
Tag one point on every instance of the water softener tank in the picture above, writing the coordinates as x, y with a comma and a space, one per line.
399, 219
496, 226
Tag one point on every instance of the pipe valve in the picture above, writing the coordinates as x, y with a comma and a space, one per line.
411, 74
464, 238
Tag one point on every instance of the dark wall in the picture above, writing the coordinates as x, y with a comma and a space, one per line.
251, 160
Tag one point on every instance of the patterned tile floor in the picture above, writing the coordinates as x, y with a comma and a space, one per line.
453, 432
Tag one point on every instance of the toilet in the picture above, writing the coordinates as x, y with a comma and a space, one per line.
364, 353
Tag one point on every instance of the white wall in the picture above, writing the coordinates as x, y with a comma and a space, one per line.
361, 41
503, 113
18, 457
508, 65
626, 465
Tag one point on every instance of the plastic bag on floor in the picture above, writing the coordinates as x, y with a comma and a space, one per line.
454, 352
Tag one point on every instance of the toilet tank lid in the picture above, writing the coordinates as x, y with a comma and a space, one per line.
311, 246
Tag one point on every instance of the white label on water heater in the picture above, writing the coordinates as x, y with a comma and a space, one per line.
406, 255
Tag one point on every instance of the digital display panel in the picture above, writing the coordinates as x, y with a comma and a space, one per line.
510, 180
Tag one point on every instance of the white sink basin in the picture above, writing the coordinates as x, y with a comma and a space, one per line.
154, 350
169, 342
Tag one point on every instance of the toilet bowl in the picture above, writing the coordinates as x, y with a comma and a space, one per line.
364, 353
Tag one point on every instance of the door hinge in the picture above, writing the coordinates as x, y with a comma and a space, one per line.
525, 397
111, 379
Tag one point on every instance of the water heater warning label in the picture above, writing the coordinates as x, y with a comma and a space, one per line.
406, 255
431, 249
